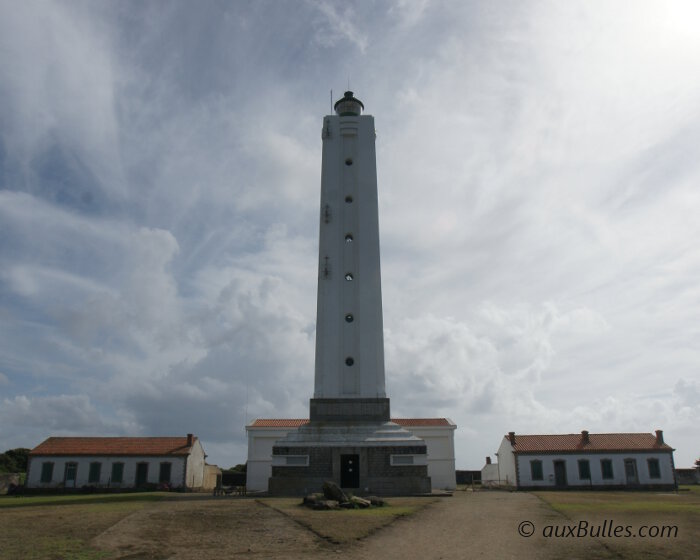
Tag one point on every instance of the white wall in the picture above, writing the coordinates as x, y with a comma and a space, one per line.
489, 474
439, 441
441, 454
618, 464
259, 465
128, 478
195, 466
506, 463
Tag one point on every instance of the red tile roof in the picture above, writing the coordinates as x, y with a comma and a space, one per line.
296, 422
113, 446
279, 422
596, 442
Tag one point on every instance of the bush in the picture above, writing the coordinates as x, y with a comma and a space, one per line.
14, 460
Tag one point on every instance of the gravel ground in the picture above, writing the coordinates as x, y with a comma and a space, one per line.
477, 525
467, 525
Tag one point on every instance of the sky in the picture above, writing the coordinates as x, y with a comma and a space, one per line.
538, 178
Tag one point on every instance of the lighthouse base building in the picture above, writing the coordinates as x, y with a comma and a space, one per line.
371, 457
437, 433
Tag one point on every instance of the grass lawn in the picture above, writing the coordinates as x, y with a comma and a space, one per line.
65, 527
676, 516
39, 527
347, 525
74, 499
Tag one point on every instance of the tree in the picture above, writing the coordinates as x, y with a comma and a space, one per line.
237, 468
14, 460
697, 463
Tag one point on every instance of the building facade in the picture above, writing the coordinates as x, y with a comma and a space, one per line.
580, 461
438, 434
118, 463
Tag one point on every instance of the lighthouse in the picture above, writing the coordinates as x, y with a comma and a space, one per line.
349, 327
350, 438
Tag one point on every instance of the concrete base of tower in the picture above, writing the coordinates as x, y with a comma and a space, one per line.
365, 458
360, 470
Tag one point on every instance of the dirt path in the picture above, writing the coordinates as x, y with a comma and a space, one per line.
476, 525
467, 525
211, 530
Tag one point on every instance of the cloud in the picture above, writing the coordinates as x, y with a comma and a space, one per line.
339, 24
159, 198
57, 413
59, 82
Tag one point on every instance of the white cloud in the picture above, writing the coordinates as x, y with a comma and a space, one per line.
339, 22
59, 79
57, 414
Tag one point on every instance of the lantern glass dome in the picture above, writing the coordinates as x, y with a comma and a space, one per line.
348, 106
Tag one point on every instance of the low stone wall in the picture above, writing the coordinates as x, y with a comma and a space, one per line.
688, 476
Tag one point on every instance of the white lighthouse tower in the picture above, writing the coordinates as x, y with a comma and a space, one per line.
349, 330
350, 438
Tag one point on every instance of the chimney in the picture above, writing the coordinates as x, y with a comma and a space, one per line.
511, 437
488, 460
190, 439
659, 437
584, 437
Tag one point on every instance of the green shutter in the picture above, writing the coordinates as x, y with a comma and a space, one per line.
117, 472
94, 475
584, 470
46, 472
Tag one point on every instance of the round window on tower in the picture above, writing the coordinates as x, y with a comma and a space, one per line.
348, 161
349, 238
348, 199
349, 318
349, 361
349, 277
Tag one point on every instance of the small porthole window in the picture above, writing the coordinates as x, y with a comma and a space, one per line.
349, 277
348, 161
348, 199
349, 361
349, 238
349, 318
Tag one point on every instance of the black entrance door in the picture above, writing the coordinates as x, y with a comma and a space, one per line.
349, 471
560, 473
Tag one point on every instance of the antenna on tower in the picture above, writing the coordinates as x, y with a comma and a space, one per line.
331, 100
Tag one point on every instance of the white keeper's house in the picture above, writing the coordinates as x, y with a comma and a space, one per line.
120, 463
438, 434
585, 460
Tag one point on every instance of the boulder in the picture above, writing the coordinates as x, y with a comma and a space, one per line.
312, 499
332, 491
376, 501
326, 504
360, 502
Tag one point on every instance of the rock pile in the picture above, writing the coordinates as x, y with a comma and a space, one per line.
333, 497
